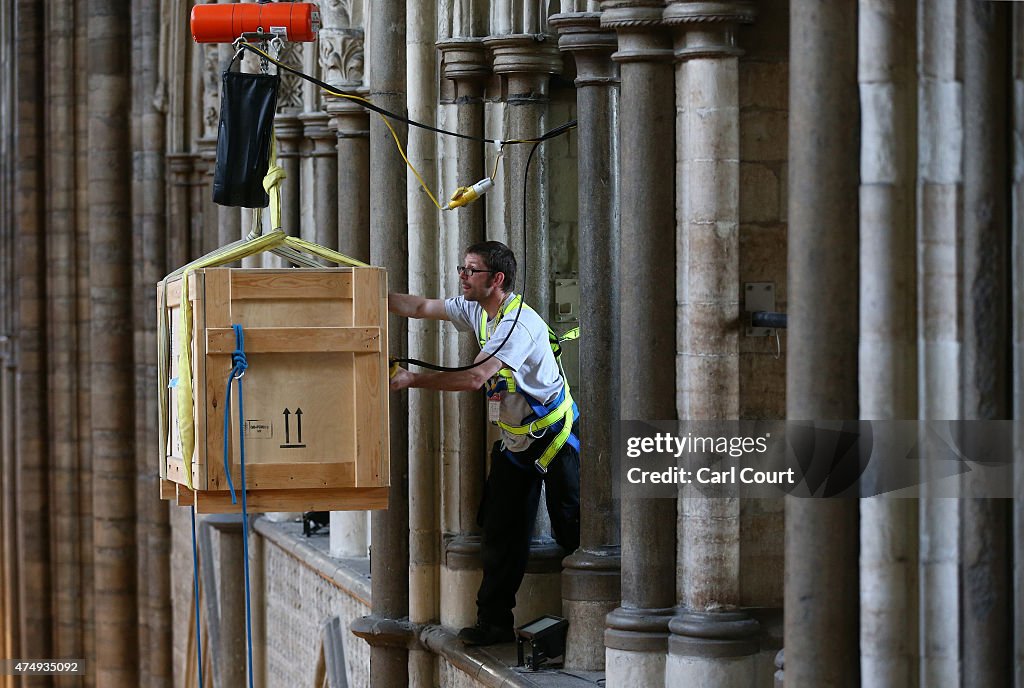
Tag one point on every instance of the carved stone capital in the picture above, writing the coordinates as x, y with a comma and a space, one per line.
465, 59
707, 29
730, 633
341, 55
524, 54
591, 45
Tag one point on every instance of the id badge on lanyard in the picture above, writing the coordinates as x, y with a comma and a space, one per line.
494, 407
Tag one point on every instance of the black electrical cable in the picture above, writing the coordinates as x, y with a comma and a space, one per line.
522, 295
557, 131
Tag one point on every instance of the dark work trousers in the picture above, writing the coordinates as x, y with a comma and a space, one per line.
507, 516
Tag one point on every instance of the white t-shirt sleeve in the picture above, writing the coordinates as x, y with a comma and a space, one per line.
463, 314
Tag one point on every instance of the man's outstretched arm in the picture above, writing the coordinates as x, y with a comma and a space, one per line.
412, 306
459, 381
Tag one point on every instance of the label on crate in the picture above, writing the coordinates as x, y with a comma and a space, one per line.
258, 429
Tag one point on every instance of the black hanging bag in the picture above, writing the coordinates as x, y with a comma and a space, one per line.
247, 106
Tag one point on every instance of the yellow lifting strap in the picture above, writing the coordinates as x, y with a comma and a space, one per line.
272, 184
183, 386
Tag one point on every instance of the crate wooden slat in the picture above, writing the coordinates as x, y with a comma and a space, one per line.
315, 391
337, 499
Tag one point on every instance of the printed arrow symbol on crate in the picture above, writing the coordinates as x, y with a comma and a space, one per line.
287, 413
298, 422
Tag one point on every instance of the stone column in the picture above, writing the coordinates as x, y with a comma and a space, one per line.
288, 129
940, 143
352, 123
63, 333
888, 332
341, 62
463, 442
149, 260
591, 581
110, 333
424, 404
1017, 228
325, 178
389, 243
821, 598
526, 63
30, 557
637, 635
712, 641
986, 597
179, 219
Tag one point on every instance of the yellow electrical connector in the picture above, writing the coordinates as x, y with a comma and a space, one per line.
464, 195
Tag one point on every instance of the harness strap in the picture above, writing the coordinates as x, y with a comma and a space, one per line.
563, 409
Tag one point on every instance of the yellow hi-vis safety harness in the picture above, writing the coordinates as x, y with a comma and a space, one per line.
559, 414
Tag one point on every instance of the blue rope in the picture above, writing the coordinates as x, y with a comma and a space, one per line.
237, 371
195, 582
240, 364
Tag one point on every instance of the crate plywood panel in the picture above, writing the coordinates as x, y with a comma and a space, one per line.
173, 467
315, 392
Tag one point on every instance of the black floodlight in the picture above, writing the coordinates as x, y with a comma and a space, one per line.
544, 638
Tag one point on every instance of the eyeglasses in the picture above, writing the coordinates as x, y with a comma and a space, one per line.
469, 272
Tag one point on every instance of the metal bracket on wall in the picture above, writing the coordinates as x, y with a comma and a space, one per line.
567, 300
758, 296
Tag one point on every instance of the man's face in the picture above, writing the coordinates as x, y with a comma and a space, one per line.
480, 285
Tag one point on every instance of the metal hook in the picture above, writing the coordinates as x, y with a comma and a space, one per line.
778, 344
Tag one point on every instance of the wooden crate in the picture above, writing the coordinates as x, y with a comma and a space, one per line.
315, 392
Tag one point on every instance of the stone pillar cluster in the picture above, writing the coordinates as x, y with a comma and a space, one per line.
591, 582
637, 631
864, 157
466, 64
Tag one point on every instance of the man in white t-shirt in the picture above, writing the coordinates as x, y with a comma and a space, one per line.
528, 398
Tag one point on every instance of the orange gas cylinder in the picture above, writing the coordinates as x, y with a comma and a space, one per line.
223, 23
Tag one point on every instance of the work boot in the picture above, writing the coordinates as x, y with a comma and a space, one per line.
485, 634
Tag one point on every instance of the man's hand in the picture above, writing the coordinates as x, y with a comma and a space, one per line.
402, 379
